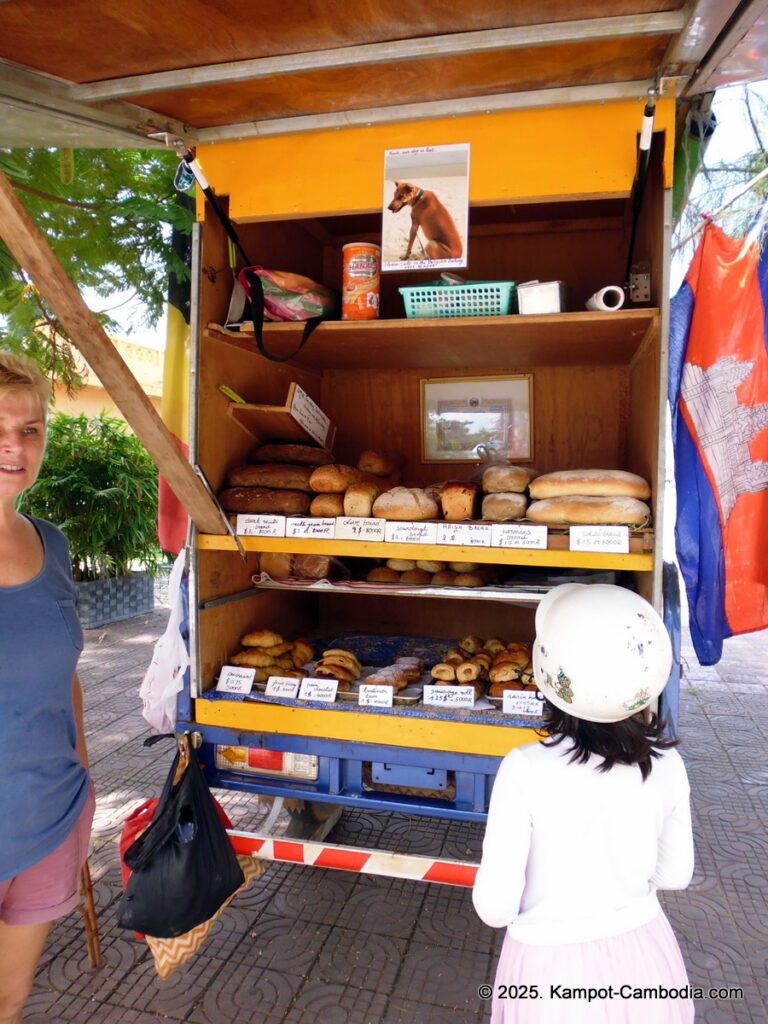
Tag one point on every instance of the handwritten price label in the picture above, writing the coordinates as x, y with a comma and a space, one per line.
610, 539
523, 702
476, 535
354, 528
310, 416
411, 533
323, 690
317, 529
234, 679
518, 535
282, 686
372, 695
260, 526
450, 696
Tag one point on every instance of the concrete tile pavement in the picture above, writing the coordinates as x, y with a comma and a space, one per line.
303, 945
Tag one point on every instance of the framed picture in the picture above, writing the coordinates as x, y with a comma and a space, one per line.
458, 414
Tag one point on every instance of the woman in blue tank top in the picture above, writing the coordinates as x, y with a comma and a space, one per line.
46, 798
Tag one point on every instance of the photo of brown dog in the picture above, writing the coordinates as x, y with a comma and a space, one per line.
443, 241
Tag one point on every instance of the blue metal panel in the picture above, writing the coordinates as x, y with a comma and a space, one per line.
390, 774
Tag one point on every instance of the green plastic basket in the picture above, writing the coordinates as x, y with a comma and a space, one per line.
476, 298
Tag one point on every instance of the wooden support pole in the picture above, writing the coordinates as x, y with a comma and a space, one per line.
35, 255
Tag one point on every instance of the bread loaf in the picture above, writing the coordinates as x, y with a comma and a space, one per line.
287, 478
327, 506
359, 499
429, 566
404, 504
276, 564
334, 479
401, 564
444, 578
458, 501
376, 462
589, 511
258, 501
503, 479
469, 579
590, 483
463, 566
416, 577
297, 454
500, 508
383, 575
313, 567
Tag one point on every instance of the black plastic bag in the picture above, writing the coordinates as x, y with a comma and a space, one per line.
184, 867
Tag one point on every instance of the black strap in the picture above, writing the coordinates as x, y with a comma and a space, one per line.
257, 310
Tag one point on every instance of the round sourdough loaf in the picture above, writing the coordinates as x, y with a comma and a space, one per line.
404, 504
502, 479
590, 483
589, 511
499, 508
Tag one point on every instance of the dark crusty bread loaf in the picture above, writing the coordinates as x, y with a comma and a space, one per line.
259, 500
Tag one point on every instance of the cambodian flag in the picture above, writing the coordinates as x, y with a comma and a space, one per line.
718, 394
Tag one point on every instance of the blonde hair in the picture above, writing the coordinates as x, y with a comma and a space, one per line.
17, 373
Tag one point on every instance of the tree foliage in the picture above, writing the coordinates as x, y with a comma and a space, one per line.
108, 215
98, 484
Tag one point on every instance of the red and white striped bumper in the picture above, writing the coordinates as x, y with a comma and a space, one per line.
353, 858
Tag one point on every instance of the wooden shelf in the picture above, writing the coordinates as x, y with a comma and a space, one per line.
562, 339
558, 558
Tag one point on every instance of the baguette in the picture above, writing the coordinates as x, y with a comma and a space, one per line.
283, 478
593, 483
262, 502
589, 511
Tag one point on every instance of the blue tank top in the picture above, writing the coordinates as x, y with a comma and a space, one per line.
43, 785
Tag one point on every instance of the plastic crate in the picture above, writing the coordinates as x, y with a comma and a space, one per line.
477, 298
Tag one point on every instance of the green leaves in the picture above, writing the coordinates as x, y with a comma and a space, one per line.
99, 486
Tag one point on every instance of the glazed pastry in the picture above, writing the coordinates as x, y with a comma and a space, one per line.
444, 672
261, 638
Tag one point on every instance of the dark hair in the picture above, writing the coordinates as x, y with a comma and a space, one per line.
633, 741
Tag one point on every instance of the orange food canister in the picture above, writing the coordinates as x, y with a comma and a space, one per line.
361, 281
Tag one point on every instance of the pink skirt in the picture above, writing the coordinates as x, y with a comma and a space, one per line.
594, 982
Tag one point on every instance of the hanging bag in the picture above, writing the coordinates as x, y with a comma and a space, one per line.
275, 295
184, 867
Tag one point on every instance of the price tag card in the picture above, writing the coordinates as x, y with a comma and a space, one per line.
411, 533
318, 529
310, 416
282, 686
518, 535
234, 679
611, 539
523, 702
371, 695
260, 526
450, 696
476, 535
323, 690
354, 528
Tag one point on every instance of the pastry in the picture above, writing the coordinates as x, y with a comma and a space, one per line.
334, 479
493, 645
261, 638
400, 564
594, 483
416, 577
500, 508
468, 579
454, 658
445, 578
297, 454
375, 462
575, 510
412, 667
279, 650
283, 478
302, 653
503, 673
327, 506
518, 646
458, 501
404, 504
498, 689
383, 575
502, 479
359, 498
253, 657
260, 502
325, 671
463, 566
471, 644
389, 676
444, 672
430, 567
343, 660
276, 564
483, 659
468, 672
519, 662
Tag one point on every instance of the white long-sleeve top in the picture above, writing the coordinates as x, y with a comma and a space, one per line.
572, 854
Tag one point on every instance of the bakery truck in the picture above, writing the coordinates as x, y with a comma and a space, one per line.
571, 127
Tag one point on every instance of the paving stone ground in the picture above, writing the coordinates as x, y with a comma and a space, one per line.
304, 946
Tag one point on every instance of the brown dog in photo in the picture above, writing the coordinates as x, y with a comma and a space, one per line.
429, 214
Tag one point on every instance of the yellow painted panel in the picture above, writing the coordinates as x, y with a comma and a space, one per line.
516, 156
388, 730
431, 552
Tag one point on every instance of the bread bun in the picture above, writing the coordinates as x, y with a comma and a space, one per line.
383, 575
276, 564
334, 479
500, 508
279, 477
471, 644
297, 454
262, 638
444, 578
405, 503
401, 564
417, 577
499, 689
359, 499
468, 672
575, 510
502, 479
428, 566
376, 462
503, 673
327, 506
469, 579
458, 501
493, 645
264, 502
463, 566
595, 483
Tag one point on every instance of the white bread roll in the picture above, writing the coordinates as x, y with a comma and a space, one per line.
591, 483
403, 504
578, 511
503, 479
458, 501
359, 499
499, 508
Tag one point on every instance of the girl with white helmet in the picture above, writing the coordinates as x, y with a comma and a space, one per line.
585, 825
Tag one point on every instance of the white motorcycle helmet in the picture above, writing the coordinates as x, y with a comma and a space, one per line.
601, 652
